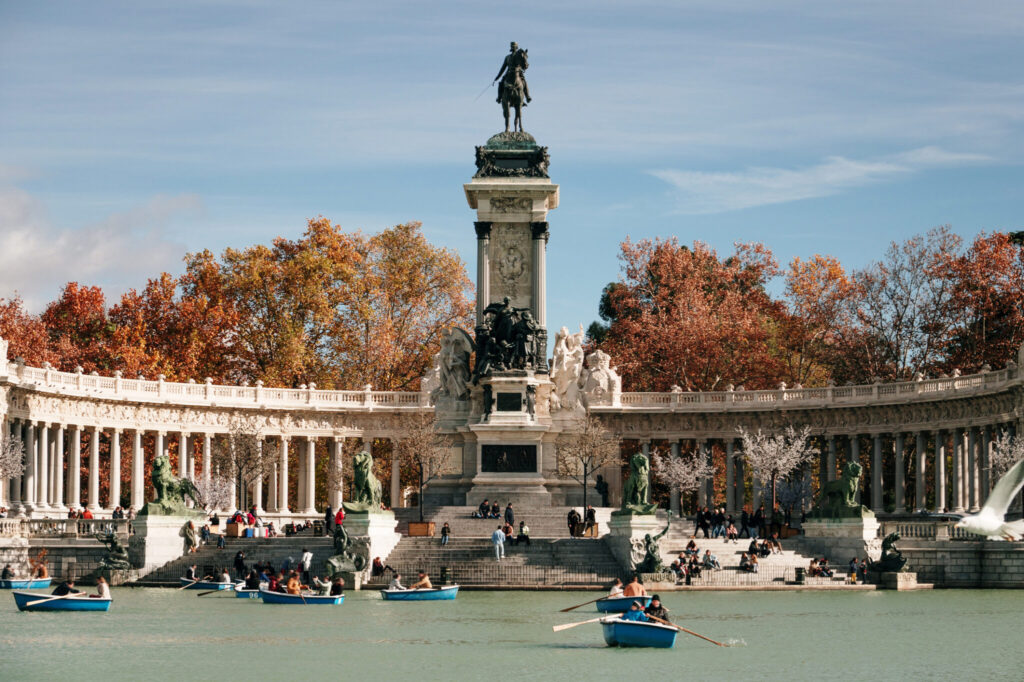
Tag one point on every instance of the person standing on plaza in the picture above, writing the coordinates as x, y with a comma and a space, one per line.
510, 517
329, 521
498, 538
745, 523
757, 521
307, 561
239, 564
591, 522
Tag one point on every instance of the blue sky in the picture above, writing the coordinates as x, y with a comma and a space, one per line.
133, 132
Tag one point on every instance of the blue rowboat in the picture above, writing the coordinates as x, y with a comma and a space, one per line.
242, 593
618, 632
205, 585
73, 603
310, 599
421, 594
620, 604
25, 584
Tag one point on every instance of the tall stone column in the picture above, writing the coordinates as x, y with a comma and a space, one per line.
919, 471
182, 456
190, 447
43, 463
986, 462
855, 457
159, 444
645, 448
830, 463
75, 468
396, 481
207, 457
877, 500
31, 456
540, 234
730, 476
300, 481
115, 469
900, 499
58, 470
257, 494
94, 469
138, 475
956, 471
282, 472
337, 461
940, 471
673, 493
272, 504
972, 469
310, 475
483, 267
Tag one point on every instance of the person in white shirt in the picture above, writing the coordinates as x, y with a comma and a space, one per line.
498, 538
102, 588
307, 561
225, 577
396, 583
616, 589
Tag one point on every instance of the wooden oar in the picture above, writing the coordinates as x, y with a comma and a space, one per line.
53, 598
678, 627
572, 608
566, 626
197, 580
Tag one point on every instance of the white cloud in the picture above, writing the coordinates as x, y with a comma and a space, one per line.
120, 252
717, 192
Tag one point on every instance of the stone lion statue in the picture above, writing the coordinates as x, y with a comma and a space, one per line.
839, 498
170, 491
367, 490
636, 492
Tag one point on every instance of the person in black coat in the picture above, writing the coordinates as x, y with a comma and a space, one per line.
510, 517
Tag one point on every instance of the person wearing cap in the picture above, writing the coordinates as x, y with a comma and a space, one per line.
636, 612
657, 609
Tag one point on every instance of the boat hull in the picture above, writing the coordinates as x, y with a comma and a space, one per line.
76, 603
618, 632
303, 600
439, 594
620, 604
247, 594
206, 585
25, 584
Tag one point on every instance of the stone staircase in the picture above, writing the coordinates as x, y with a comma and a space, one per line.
544, 522
545, 563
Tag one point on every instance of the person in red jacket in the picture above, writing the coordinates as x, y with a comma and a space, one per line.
339, 518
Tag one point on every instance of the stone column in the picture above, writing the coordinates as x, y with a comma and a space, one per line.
396, 482
673, 493
919, 471
540, 235
900, 499
310, 475
43, 467
182, 455
115, 469
877, 500
272, 490
29, 497
94, 468
972, 469
986, 462
940, 472
207, 456
730, 476
741, 483
300, 481
257, 494
483, 268
855, 457
58, 470
75, 468
337, 461
282, 472
138, 475
645, 448
159, 446
190, 447
830, 463
956, 471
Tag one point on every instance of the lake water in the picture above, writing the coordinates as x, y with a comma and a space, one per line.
173, 635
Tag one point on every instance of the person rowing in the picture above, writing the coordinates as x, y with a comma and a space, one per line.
423, 583
396, 582
657, 609
616, 590
65, 588
634, 588
636, 612
252, 581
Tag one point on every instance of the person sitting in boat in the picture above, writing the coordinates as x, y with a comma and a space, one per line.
423, 583
102, 589
294, 586
8, 573
252, 581
66, 587
636, 613
323, 587
40, 570
190, 573
634, 588
616, 590
225, 577
657, 609
396, 582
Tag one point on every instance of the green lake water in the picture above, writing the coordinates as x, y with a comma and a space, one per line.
160, 634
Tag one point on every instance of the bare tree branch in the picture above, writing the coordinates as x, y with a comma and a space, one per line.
772, 457
12, 457
587, 447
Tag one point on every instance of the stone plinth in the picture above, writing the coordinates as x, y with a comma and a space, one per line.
377, 528
623, 529
157, 540
898, 581
842, 539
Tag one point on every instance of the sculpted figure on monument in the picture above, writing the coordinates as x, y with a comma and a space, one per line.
652, 552
636, 492
512, 90
366, 487
117, 554
170, 491
839, 498
566, 368
506, 339
452, 365
600, 383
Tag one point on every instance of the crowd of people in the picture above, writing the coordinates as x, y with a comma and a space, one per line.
655, 610
716, 523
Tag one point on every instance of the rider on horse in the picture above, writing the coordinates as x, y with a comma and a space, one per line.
515, 58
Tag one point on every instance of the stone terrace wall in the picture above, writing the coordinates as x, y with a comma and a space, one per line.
966, 564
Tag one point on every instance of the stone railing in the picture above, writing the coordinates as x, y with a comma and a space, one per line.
73, 528
926, 530
903, 391
10, 528
49, 380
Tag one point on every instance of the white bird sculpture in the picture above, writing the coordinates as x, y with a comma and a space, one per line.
990, 521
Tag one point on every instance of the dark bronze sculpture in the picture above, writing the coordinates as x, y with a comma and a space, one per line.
652, 552
116, 558
170, 492
838, 498
513, 92
636, 493
892, 560
350, 556
507, 339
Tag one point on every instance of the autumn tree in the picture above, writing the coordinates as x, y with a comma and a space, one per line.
79, 329
425, 449
25, 333
584, 448
682, 316
776, 456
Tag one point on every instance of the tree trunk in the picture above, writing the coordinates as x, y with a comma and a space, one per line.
773, 496
585, 474
421, 494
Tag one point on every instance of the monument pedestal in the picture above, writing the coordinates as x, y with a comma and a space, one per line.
157, 540
377, 530
898, 581
841, 539
624, 529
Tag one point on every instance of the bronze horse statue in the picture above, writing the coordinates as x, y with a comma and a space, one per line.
513, 95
